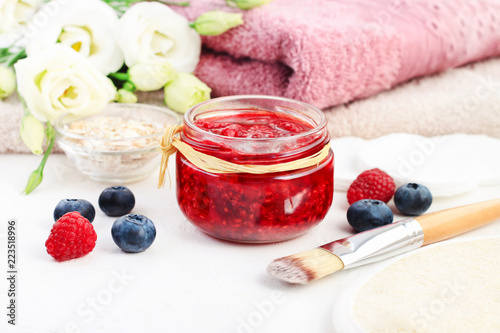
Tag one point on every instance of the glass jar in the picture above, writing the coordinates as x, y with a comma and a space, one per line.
255, 130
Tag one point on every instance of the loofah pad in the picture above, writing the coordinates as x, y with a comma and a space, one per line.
448, 287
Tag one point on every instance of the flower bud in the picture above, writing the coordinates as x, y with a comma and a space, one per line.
125, 96
185, 92
216, 22
32, 133
247, 4
150, 76
7, 81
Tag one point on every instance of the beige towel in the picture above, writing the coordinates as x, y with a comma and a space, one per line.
462, 100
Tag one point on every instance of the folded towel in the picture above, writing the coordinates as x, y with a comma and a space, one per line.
328, 52
460, 100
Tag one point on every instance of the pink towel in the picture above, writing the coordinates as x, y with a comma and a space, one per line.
328, 52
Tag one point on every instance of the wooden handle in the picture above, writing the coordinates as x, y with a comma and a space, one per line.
454, 221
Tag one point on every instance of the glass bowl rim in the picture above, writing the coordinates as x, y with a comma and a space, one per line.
58, 124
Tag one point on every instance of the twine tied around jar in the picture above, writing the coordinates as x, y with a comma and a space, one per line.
171, 143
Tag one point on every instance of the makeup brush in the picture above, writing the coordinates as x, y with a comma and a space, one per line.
383, 242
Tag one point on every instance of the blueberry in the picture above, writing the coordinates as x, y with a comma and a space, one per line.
85, 208
116, 201
367, 214
133, 232
413, 199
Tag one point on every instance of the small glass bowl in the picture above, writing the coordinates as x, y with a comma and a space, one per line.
127, 155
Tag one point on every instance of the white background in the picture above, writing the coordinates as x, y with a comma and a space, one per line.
185, 282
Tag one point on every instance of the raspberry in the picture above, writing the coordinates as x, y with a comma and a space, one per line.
371, 184
72, 236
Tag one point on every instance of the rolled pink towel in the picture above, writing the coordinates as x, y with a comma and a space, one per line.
328, 52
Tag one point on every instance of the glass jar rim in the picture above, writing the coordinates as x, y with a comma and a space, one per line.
320, 126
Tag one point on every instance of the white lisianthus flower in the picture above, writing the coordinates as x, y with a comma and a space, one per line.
185, 92
151, 76
59, 80
7, 81
15, 14
150, 32
87, 26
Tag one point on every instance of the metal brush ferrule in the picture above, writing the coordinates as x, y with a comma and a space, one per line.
378, 244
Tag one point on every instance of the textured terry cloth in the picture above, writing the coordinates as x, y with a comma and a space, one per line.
461, 100
328, 52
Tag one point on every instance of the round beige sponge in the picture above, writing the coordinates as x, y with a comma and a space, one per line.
452, 286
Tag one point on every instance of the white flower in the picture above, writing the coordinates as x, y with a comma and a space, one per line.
7, 81
59, 80
14, 14
151, 76
151, 31
185, 92
88, 26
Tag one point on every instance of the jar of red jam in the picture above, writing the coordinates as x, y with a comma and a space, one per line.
255, 131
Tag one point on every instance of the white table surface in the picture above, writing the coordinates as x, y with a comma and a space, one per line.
185, 282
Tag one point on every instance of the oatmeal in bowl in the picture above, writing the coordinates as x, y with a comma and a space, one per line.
119, 145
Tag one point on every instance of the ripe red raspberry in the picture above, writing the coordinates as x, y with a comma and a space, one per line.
72, 236
371, 184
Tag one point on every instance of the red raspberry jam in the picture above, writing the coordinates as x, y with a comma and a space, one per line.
251, 124
255, 207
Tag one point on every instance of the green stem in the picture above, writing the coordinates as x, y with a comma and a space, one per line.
23, 102
51, 137
182, 4
230, 4
36, 176
119, 76
20, 55
122, 5
129, 86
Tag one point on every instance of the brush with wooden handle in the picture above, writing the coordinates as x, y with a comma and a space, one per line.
383, 242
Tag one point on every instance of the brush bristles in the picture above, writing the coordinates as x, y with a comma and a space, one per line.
304, 267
